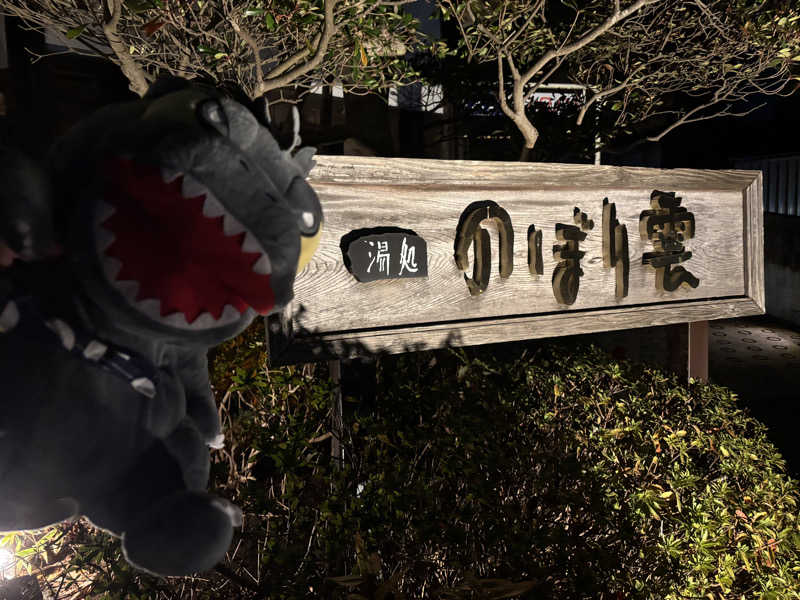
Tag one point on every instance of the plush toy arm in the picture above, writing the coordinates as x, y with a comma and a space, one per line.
35, 513
187, 532
26, 208
168, 528
200, 404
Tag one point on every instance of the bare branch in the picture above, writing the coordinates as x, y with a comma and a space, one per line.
600, 94
690, 118
251, 43
293, 60
328, 30
501, 88
543, 79
587, 39
112, 9
517, 114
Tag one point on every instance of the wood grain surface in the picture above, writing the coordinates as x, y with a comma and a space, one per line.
429, 196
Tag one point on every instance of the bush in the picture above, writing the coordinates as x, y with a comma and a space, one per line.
487, 473
587, 477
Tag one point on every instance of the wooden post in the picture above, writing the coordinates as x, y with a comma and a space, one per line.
279, 331
698, 350
337, 425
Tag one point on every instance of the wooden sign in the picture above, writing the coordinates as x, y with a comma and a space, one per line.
522, 250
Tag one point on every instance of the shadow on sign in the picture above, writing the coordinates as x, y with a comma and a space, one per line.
290, 343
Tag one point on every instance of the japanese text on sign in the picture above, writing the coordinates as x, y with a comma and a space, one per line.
666, 224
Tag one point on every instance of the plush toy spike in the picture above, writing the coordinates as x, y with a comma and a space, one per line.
305, 159
181, 219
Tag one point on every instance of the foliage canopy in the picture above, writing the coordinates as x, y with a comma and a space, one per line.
662, 62
259, 45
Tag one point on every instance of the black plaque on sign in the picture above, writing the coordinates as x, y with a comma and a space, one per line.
384, 253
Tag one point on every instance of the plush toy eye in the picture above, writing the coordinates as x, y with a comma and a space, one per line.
211, 113
305, 203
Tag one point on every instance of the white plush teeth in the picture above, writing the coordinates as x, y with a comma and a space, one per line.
229, 314
103, 211
151, 307
218, 441
9, 317
144, 386
231, 226
262, 265
104, 238
191, 188
95, 350
250, 243
111, 267
176, 319
64, 331
308, 219
204, 320
170, 174
129, 289
212, 207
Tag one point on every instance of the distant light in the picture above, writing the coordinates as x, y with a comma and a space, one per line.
8, 563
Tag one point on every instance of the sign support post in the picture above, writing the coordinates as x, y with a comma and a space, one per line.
698, 350
337, 424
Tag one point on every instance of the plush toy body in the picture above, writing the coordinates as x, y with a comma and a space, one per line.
180, 220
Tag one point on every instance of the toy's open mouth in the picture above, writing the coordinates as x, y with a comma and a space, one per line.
170, 247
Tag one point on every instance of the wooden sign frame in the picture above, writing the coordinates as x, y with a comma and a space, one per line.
427, 196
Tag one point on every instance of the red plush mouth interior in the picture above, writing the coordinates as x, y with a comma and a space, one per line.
178, 255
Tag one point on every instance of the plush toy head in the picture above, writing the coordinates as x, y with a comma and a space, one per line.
228, 215
179, 219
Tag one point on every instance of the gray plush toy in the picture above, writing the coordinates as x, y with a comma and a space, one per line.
156, 229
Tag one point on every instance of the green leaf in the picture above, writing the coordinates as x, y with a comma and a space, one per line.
75, 32
269, 21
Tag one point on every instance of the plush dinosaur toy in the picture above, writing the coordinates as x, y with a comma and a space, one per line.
156, 229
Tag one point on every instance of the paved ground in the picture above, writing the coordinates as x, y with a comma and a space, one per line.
759, 359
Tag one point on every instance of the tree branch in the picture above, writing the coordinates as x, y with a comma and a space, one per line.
328, 30
517, 115
600, 94
501, 88
112, 10
595, 33
251, 43
687, 118
231, 575
542, 80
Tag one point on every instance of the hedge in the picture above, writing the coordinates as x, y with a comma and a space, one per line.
488, 473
